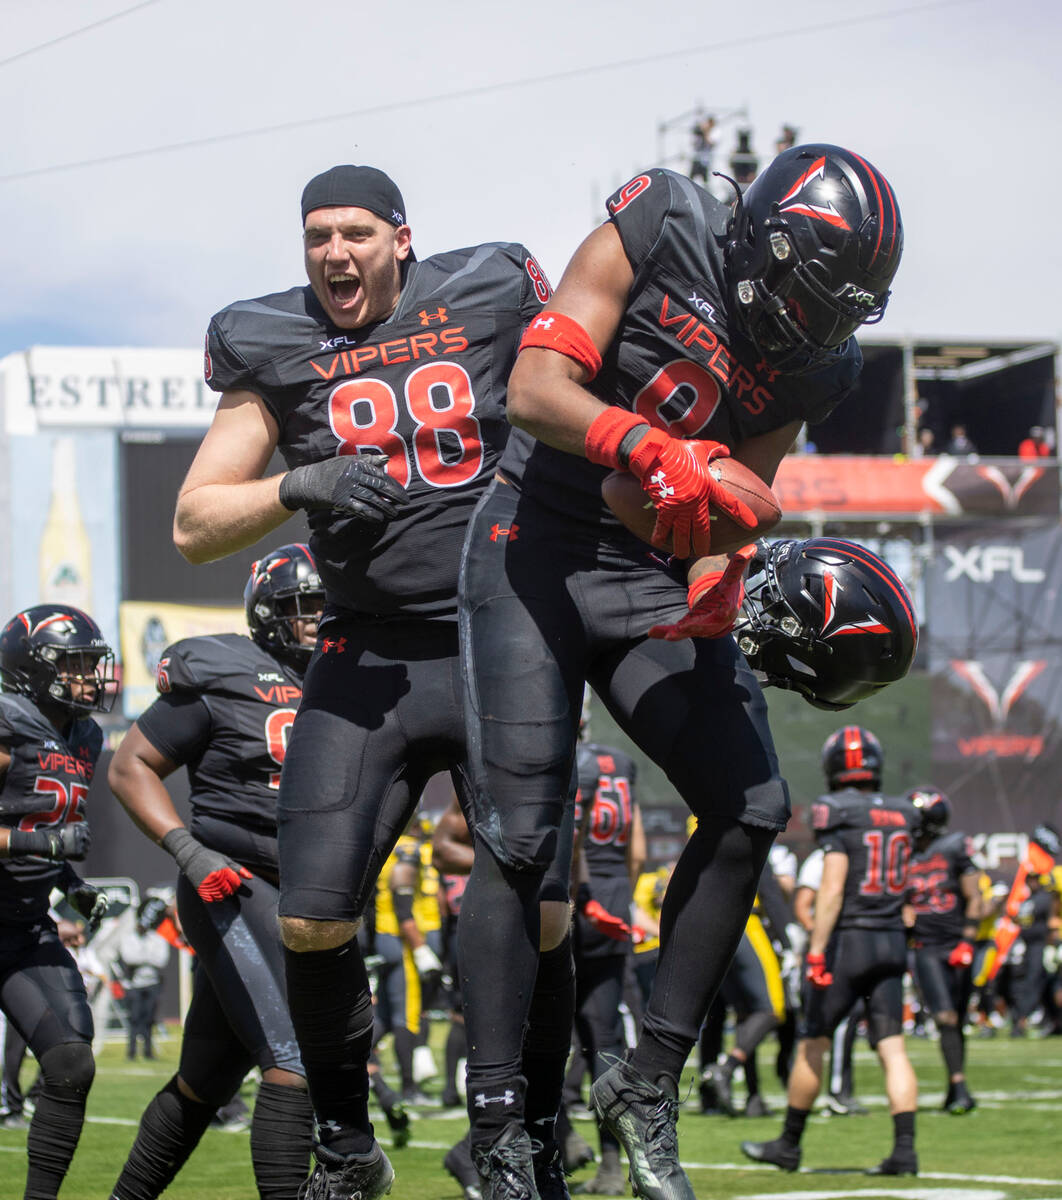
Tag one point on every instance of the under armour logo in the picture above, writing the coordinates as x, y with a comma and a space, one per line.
339, 645
507, 1098
426, 317
502, 531
659, 480
542, 323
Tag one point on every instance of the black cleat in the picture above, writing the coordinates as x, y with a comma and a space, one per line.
778, 1153
576, 1151
398, 1122
724, 1095
841, 1104
756, 1106
549, 1171
896, 1164
959, 1100
458, 1162
709, 1096
505, 1165
349, 1176
609, 1180
643, 1117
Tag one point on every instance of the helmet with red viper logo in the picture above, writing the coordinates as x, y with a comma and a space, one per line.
827, 618
283, 586
812, 249
852, 755
58, 657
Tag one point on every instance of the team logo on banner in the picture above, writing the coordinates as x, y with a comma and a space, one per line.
999, 700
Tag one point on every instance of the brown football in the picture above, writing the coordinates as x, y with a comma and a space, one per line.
622, 492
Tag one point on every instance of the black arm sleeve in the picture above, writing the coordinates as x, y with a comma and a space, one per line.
775, 906
402, 899
177, 725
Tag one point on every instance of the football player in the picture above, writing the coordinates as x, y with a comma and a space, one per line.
611, 854
685, 329
224, 710
56, 670
945, 909
858, 944
383, 384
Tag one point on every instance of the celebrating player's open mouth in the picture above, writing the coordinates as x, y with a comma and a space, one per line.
343, 289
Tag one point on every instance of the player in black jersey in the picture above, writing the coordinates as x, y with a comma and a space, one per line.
684, 329
225, 708
945, 909
858, 944
56, 669
611, 855
383, 385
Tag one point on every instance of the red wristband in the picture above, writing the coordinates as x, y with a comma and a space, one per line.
557, 331
606, 432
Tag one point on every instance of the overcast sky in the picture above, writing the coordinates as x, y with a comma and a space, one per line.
499, 121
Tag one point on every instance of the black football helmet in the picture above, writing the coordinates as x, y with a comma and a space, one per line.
49, 650
852, 755
288, 572
812, 249
826, 618
934, 807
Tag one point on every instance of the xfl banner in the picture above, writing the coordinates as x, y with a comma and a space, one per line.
994, 596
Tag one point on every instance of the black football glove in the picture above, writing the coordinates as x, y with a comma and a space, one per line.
89, 902
71, 841
213, 875
355, 485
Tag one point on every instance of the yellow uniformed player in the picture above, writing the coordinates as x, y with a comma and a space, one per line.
409, 963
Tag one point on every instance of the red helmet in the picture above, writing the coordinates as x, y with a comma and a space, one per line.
813, 247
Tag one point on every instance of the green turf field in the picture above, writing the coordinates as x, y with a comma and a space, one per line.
1010, 1147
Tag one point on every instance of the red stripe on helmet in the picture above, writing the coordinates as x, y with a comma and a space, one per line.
853, 747
880, 185
858, 553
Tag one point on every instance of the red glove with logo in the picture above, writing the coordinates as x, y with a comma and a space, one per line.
815, 970
673, 473
715, 601
962, 955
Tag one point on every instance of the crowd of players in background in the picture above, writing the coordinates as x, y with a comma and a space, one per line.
959, 977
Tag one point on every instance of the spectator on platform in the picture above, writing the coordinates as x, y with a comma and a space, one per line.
703, 134
926, 444
959, 444
1036, 445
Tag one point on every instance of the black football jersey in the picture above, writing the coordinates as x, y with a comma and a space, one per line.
426, 387
875, 832
606, 785
45, 787
934, 878
225, 711
678, 357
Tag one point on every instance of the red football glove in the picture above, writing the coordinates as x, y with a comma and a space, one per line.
962, 955
674, 474
117, 991
815, 970
638, 935
605, 922
715, 601
213, 875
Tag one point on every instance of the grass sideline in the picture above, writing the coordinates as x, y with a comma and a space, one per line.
1008, 1148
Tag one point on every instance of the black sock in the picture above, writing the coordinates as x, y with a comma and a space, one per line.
281, 1140
703, 917
498, 941
405, 1041
793, 1129
752, 1076
331, 1009
903, 1132
67, 1071
951, 1046
456, 1049
170, 1129
547, 1040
